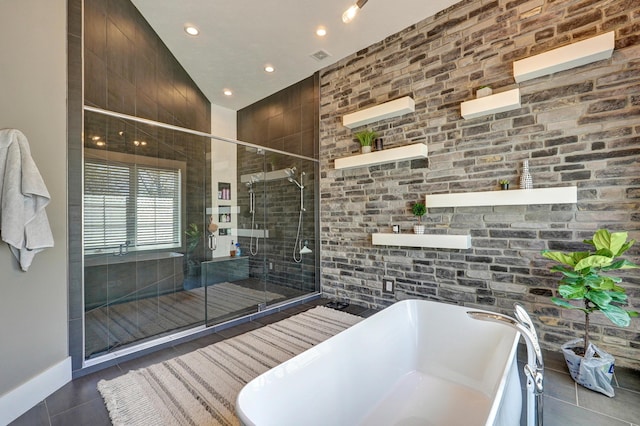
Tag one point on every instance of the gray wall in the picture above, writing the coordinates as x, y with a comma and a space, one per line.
33, 330
578, 127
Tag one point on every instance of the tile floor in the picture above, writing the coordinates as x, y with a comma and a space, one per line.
79, 403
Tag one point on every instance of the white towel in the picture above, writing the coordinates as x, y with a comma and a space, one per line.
23, 196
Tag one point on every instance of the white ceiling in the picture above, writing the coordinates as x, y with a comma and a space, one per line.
238, 37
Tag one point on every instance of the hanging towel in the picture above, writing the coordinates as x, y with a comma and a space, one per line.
23, 196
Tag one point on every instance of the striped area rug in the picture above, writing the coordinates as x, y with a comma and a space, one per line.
201, 387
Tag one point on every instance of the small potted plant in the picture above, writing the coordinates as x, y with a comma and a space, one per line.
419, 210
584, 281
483, 91
504, 184
194, 234
366, 138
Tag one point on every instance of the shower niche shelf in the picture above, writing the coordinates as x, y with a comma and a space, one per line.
514, 197
422, 240
407, 152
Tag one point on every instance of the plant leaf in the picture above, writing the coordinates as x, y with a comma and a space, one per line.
565, 304
572, 291
625, 247
617, 296
559, 257
593, 262
600, 298
617, 315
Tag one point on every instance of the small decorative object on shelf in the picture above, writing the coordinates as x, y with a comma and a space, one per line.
526, 181
504, 184
419, 210
483, 91
366, 138
396, 229
379, 145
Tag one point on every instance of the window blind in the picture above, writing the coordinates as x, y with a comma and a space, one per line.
128, 202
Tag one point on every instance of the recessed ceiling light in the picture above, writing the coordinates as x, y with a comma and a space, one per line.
227, 92
192, 30
269, 68
321, 31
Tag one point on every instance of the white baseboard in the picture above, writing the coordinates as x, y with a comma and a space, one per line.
18, 401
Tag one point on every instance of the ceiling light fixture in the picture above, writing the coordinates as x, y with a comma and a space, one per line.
350, 13
192, 30
321, 32
269, 68
227, 92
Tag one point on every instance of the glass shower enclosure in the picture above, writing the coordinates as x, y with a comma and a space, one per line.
184, 231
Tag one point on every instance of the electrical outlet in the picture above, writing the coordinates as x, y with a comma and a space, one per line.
388, 285
271, 266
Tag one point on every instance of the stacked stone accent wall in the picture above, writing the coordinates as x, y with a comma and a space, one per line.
578, 127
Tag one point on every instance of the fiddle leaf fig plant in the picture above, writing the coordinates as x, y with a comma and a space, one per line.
584, 278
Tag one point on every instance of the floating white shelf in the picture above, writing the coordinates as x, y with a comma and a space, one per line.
423, 240
514, 197
492, 104
407, 152
566, 57
389, 109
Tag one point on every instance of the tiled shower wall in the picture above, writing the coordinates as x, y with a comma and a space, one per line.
286, 121
579, 127
127, 69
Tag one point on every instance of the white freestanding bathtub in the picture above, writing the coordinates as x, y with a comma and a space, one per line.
414, 363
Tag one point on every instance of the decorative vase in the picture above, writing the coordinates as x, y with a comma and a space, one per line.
379, 145
418, 229
485, 91
365, 149
526, 181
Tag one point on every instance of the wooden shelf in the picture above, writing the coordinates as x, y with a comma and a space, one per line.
514, 197
492, 104
383, 111
407, 152
566, 57
422, 240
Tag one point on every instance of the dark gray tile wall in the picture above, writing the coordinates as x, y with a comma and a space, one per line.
127, 69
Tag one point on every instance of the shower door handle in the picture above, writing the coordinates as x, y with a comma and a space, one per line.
213, 242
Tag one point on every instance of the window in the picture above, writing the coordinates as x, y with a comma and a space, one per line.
131, 203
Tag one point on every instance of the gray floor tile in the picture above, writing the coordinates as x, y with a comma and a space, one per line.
560, 386
147, 360
92, 413
559, 413
37, 416
79, 391
628, 379
625, 405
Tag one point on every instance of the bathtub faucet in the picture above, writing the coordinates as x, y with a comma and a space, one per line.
123, 249
534, 370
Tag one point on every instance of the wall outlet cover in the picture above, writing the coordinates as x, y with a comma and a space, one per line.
388, 285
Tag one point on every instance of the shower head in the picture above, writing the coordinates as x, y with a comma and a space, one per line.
292, 180
290, 172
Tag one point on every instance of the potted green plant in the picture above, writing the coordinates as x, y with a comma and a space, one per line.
585, 286
366, 138
504, 183
419, 210
194, 234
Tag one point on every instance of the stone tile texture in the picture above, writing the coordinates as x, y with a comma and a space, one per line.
577, 128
